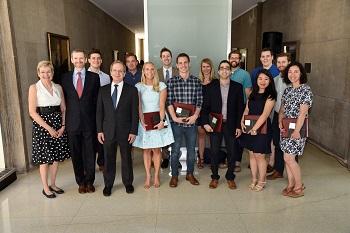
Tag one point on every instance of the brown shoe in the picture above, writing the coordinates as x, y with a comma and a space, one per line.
82, 189
213, 184
192, 179
274, 175
231, 184
101, 168
269, 168
173, 181
90, 188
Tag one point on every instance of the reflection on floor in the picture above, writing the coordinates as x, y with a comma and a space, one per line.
186, 209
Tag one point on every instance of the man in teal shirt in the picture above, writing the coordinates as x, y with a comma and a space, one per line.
241, 76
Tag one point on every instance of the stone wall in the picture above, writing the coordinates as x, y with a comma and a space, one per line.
86, 26
322, 28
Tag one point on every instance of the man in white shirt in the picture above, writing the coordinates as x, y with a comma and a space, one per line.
283, 59
95, 61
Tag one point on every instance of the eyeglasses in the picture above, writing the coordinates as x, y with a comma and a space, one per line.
225, 68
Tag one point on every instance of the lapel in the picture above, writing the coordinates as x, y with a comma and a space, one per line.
218, 90
122, 95
86, 84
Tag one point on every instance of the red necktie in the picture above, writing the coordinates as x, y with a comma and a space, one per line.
79, 85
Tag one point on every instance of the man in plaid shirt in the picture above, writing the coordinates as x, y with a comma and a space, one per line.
184, 88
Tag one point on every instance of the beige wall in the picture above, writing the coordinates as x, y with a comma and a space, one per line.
86, 26
323, 29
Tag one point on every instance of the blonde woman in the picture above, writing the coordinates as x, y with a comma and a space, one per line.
206, 75
47, 109
152, 97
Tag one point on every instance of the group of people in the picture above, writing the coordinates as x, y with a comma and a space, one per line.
155, 109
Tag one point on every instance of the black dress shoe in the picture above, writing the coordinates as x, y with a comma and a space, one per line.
49, 195
165, 163
107, 191
58, 190
129, 189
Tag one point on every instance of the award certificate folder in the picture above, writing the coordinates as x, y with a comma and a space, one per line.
249, 122
289, 125
215, 121
151, 119
184, 110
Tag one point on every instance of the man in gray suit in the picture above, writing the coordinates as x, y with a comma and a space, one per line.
117, 123
166, 72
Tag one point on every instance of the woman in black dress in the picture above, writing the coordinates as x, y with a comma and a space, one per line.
47, 109
261, 102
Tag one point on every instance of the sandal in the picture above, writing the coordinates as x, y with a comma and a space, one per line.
260, 186
252, 185
288, 190
295, 193
200, 163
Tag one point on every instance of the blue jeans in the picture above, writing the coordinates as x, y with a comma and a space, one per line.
190, 134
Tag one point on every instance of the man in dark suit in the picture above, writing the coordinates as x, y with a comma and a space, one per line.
224, 97
80, 90
117, 122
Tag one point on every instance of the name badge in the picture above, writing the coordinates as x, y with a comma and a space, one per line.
247, 122
214, 120
178, 110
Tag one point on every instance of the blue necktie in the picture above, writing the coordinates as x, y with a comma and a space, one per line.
114, 96
167, 75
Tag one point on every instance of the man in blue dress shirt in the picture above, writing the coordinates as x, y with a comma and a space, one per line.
266, 59
133, 75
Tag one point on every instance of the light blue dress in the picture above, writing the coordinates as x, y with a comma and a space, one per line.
150, 103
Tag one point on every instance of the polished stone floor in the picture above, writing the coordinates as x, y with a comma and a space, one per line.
186, 209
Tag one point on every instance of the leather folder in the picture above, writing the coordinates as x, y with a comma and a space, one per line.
249, 122
289, 125
215, 121
151, 119
184, 110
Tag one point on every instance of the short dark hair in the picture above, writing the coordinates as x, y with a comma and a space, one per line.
303, 75
267, 50
284, 55
130, 55
270, 91
224, 61
182, 55
236, 51
165, 50
92, 51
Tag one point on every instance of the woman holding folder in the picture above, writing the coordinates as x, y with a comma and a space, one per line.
153, 133
257, 127
296, 101
221, 114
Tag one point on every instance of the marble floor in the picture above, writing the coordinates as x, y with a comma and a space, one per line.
186, 209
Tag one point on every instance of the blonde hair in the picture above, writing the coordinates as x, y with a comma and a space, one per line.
117, 62
44, 63
209, 62
155, 78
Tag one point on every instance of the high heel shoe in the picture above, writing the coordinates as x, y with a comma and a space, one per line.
260, 186
252, 185
49, 195
200, 163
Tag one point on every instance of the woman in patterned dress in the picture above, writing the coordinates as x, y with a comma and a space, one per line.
152, 96
47, 109
296, 101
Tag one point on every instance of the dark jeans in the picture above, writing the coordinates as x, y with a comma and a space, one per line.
215, 143
276, 137
190, 134
82, 147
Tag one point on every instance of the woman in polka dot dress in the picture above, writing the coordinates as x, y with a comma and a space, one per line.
49, 144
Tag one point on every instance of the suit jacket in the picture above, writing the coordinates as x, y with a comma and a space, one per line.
81, 112
117, 124
213, 103
161, 75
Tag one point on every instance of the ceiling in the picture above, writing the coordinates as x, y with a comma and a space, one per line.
131, 15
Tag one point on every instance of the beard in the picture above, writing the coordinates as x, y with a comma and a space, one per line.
234, 64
